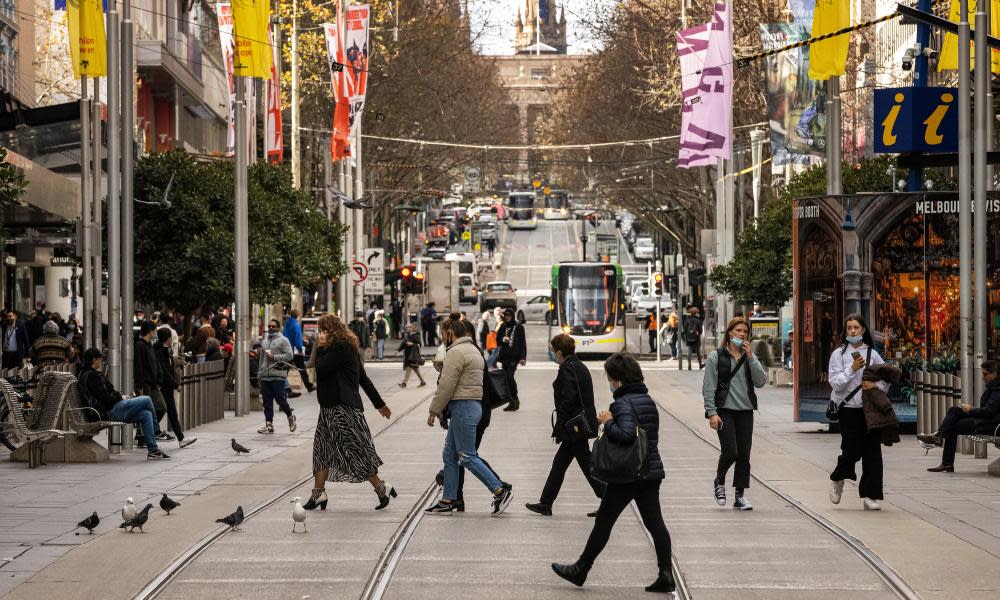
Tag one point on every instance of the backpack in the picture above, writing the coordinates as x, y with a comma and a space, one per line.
692, 330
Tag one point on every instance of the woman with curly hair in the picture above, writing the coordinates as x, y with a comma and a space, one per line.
342, 447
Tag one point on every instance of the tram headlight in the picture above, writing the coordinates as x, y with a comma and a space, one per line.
609, 328
567, 328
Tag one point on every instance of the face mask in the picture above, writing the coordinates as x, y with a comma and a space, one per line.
272, 334
612, 388
736, 342
854, 339
553, 357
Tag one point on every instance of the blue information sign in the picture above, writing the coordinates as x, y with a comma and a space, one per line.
914, 119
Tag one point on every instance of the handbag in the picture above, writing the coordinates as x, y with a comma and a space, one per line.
578, 427
619, 463
833, 408
491, 340
495, 388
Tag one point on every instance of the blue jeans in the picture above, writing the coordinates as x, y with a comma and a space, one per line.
380, 348
460, 448
138, 410
491, 358
271, 391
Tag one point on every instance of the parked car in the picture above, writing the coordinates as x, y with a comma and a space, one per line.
498, 293
644, 249
538, 308
436, 252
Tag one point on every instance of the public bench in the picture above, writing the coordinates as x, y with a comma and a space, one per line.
33, 440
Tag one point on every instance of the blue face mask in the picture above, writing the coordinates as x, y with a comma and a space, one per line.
553, 357
854, 339
612, 388
736, 342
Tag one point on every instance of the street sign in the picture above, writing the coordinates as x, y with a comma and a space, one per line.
374, 259
912, 119
64, 261
473, 178
477, 247
359, 272
466, 236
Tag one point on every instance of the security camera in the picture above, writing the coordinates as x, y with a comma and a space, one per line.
930, 52
908, 57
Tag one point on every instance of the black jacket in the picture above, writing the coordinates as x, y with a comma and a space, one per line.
987, 416
573, 391
339, 373
146, 371
411, 354
621, 429
165, 362
97, 391
515, 349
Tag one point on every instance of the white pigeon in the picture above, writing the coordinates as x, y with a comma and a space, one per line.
128, 510
298, 514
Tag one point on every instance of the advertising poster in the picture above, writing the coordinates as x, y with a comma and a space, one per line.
227, 43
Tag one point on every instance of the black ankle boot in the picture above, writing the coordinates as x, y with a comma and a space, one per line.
318, 498
574, 573
384, 492
664, 583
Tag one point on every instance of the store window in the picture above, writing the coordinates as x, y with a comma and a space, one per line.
539, 74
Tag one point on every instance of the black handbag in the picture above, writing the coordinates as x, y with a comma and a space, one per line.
833, 408
495, 390
619, 463
578, 427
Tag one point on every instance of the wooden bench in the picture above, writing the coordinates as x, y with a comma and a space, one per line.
33, 439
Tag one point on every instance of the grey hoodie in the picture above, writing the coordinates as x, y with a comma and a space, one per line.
279, 346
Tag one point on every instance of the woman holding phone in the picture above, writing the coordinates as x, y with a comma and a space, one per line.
731, 374
847, 365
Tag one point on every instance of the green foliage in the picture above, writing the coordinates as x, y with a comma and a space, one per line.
185, 254
946, 363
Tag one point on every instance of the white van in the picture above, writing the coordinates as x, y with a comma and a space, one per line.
468, 277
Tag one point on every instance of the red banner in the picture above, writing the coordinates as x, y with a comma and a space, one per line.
339, 143
274, 140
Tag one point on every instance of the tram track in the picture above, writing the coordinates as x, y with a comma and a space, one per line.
159, 583
889, 577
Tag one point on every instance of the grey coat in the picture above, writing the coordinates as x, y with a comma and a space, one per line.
272, 369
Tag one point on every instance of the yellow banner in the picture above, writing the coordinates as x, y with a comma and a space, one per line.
828, 58
253, 50
949, 48
87, 44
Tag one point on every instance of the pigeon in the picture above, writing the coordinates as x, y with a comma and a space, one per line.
168, 504
139, 520
91, 523
233, 520
128, 510
238, 448
298, 514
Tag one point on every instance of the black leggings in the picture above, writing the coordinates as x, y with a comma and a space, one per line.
616, 498
857, 443
580, 450
736, 439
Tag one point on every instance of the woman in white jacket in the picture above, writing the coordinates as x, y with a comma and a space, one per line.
847, 365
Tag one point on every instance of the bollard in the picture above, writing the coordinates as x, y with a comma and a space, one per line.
916, 379
981, 449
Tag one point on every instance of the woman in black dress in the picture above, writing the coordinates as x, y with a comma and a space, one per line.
342, 447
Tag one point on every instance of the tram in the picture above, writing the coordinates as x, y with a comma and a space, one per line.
588, 303
556, 206
522, 210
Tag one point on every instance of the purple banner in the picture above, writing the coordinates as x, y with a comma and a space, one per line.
692, 44
708, 131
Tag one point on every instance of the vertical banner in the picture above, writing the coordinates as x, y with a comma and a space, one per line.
709, 129
339, 143
227, 43
274, 140
692, 44
87, 45
250, 28
356, 54
949, 48
828, 58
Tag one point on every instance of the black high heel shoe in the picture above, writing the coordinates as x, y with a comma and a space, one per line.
383, 499
317, 500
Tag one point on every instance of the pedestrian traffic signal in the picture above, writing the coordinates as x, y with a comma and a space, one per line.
657, 284
419, 281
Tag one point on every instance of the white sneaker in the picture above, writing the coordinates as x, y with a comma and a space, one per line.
836, 490
872, 504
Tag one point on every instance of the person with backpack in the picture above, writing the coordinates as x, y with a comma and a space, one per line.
845, 374
692, 334
574, 422
731, 375
428, 322
632, 410
512, 353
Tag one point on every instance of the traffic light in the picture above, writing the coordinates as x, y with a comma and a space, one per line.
417, 287
406, 279
657, 284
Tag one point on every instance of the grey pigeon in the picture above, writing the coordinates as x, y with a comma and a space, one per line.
233, 520
90, 523
139, 520
238, 448
168, 504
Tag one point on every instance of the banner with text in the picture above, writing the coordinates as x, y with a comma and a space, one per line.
87, 44
356, 63
274, 139
692, 44
227, 44
708, 132
339, 144
253, 49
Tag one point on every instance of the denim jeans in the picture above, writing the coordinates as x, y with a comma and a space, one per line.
271, 391
491, 358
460, 448
138, 410
380, 348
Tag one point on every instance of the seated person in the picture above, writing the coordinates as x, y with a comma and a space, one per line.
50, 348
965, 420
102, 396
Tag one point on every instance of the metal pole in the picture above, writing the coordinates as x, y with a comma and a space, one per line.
349, 250
296, 135
114, 200
97, 245
242, 275
360, 239
982, 116
86, 274
656, 337
328, 201
342, 281
756, 153
964, 200
128, 159
834, 151
914, 179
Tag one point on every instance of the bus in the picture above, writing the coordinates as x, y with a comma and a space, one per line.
588, 303
556, 206
522, 210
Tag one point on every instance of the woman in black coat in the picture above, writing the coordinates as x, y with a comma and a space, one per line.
342, 447
168, 383
410, 347
573, 395
632, 407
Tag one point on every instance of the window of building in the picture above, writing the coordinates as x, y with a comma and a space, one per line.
539, 73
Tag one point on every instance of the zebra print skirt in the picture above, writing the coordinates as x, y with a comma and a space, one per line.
343, 445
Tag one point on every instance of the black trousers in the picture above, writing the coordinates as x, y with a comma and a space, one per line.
956, 422
430, 338
172, 416
652, 340
509, 368
616, 498
580, 450
158, 404
299, 361
736, 439
11, 360
857, 443
695, 348
480, 430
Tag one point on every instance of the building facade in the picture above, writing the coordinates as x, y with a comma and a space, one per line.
538, 25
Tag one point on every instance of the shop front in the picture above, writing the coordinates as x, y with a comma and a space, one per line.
903, 278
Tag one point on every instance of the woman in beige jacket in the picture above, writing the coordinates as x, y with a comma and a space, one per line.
460, 394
